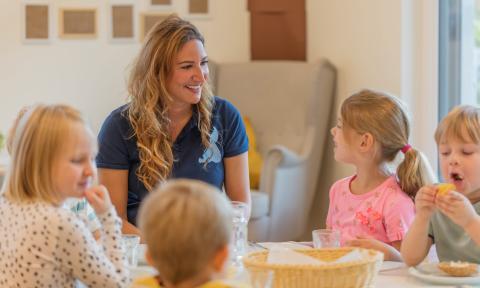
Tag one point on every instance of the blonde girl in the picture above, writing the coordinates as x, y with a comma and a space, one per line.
79, 206
172, 127
374, 207
47, 245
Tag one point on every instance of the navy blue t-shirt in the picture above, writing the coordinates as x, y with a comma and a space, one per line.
118, 149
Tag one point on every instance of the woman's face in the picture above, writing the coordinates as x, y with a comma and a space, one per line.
189, 73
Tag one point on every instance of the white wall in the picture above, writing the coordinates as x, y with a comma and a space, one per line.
91, 74
387, 45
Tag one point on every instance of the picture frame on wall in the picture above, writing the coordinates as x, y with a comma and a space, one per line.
198, 9
160, 4
36, 22
148, 20
78, 23
122, 21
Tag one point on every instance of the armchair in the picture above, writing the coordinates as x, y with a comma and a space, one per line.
289, 105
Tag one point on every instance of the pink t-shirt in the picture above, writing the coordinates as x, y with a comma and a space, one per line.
385, 213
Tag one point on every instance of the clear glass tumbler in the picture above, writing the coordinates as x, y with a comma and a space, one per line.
326, 238
130, 245
239, 235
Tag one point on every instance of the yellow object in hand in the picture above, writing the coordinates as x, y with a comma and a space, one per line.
444, 188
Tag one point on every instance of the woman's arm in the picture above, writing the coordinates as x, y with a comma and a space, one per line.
116, 182
237, 184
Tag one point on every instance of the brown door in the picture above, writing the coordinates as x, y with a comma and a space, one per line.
278, 29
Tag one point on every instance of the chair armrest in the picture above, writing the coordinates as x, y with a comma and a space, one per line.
283, 156
283, 178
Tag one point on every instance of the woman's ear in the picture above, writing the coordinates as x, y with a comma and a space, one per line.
220, 258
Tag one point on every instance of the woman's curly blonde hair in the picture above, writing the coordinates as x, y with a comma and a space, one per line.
147, 111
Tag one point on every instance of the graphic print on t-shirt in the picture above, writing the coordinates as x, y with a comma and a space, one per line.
212, 153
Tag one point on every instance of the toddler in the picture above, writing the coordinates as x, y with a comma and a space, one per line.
78, 206
449, 221
47, 245
374, 207
186, 225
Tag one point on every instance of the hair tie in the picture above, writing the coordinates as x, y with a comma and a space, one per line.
406, 148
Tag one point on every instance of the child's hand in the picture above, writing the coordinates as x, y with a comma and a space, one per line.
367, 243
98, 198
425, 200
457, 207
390, 253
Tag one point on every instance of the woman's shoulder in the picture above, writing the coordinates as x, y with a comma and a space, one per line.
222, 105
118, 114
117, 121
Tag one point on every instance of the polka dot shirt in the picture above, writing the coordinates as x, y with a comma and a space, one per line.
46, 246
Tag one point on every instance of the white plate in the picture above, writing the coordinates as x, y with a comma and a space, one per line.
430, 273
391, 265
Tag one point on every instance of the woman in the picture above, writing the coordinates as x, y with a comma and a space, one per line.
172, 127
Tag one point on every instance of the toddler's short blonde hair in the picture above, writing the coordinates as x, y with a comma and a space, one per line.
462, 123
184, 223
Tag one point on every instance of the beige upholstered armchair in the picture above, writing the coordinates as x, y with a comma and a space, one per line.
289, 104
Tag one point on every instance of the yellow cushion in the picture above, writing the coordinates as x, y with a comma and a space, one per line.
254, 158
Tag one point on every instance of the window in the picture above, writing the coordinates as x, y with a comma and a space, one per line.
459, 55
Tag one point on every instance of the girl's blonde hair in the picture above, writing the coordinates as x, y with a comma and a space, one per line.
184, 223
384, 117
38, 138
462, 123
147, 111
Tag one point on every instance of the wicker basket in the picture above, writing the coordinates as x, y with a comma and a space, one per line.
361, 273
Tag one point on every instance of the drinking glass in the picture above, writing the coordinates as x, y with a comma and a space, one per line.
261, 278
130, 244
326, 238
239, 234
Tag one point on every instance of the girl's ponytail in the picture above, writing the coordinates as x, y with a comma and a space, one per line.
414, 171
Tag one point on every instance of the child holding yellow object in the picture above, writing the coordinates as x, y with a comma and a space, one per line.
187, 226
447, 218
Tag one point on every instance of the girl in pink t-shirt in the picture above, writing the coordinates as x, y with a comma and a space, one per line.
374, 207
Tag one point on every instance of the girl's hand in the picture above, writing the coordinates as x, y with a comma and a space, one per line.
457, 207
98, 198
425, 201
367, 243
390, 253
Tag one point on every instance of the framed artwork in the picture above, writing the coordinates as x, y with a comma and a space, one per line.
160, 4
198, 9
122, 22
36, 22
77, 23
148, 20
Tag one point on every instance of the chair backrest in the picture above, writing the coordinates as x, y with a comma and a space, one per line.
273, 94
285, 101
